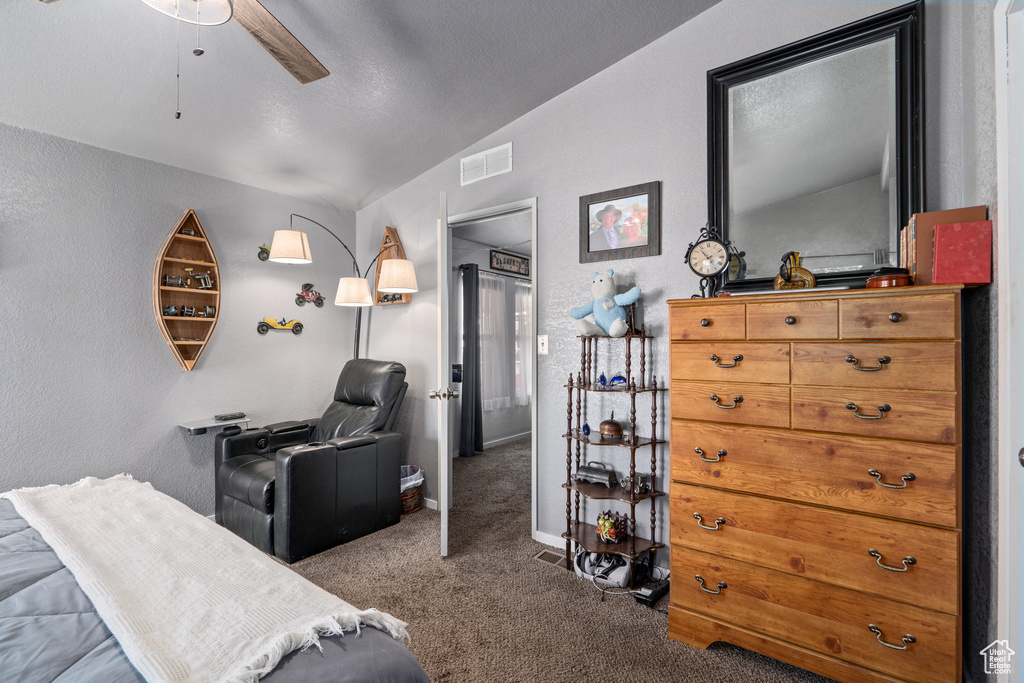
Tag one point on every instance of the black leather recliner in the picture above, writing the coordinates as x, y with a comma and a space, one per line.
294, 489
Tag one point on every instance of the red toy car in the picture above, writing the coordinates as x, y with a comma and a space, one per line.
307, 294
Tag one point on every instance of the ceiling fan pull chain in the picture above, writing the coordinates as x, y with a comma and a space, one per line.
199, 50
177, 61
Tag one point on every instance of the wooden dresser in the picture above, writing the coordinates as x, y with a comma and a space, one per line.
815, 495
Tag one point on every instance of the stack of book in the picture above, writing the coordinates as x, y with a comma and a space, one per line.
948, 247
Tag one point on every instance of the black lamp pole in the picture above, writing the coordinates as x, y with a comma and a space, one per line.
355, 267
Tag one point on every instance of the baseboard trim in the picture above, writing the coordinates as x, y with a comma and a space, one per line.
430, 503
507, 439
549, 539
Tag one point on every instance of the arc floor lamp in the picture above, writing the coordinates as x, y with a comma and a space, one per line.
396, 275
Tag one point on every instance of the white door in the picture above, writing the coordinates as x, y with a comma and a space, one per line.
443, 393
1009, 42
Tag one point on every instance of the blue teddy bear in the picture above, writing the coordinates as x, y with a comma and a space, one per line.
606, 307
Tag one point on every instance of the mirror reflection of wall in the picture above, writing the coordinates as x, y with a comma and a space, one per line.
812, 163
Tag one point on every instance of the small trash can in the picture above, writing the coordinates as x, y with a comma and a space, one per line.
412, 488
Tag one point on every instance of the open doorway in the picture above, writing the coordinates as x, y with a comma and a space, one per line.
492, 325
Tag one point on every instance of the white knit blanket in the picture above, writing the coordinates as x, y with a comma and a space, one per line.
186, 599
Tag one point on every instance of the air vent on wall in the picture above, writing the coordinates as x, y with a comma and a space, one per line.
486, 164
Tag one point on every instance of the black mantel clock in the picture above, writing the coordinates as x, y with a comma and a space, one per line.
709, 257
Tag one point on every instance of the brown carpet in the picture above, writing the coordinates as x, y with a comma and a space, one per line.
490, 612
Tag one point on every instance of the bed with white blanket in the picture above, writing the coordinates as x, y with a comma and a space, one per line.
109, 580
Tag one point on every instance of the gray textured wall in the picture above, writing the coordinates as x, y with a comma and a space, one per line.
644, 119
581, 142
89, 386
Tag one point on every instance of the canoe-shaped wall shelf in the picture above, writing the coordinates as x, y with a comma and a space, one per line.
186, 290
390, 238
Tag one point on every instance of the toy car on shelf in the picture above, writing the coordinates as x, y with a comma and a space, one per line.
268, 324
309, 295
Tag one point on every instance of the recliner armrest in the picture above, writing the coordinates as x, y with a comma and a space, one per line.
292, 426
343, 442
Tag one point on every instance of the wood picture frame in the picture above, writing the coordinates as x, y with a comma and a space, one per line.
620, 224
516, 264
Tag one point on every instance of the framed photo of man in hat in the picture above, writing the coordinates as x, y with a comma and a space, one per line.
622, 223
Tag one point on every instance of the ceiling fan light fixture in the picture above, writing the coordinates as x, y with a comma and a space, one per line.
202, 12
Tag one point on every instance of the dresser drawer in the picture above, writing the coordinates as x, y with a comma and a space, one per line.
726, 321
913, 415
934, 316
822, 544
823, 469
818, 616
793, 320
732, 402
731, 362
930, 366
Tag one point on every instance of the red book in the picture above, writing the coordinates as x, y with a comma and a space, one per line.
962, 253
921, 237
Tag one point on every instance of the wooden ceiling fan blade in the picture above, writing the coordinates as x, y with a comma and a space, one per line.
279, 41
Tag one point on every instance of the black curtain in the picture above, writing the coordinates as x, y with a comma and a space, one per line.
471, 434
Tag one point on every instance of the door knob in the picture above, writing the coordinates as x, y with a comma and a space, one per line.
453, 393
435, 393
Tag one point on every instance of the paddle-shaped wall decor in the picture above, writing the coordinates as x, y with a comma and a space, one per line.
186, 290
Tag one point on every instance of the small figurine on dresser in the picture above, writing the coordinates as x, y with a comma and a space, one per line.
792, 275
606, 307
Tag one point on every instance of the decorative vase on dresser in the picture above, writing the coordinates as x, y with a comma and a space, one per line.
815, 495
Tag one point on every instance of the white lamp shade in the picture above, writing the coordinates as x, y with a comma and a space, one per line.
353, 291
398, 276
290, 246
211, 12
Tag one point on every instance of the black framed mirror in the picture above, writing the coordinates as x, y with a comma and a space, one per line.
817, 147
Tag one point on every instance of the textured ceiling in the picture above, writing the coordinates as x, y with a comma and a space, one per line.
412, 82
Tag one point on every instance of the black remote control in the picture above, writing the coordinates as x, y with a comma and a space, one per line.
228, 416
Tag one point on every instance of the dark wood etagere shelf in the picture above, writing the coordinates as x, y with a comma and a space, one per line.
577, 531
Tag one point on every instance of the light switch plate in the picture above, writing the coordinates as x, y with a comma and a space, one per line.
542, 344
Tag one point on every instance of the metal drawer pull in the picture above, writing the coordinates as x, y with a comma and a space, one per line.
721, 585
895, 317
704, 322
700, 453
906, 479
884, 360
907, 561
734, 363
735, 402
718, 522
881, 410
907, 639
790, 320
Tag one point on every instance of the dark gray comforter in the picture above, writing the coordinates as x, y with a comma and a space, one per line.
49, 630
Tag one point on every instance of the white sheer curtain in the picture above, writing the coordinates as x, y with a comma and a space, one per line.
497, 345
524, 337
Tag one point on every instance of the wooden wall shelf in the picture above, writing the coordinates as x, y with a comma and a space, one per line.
186, 337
